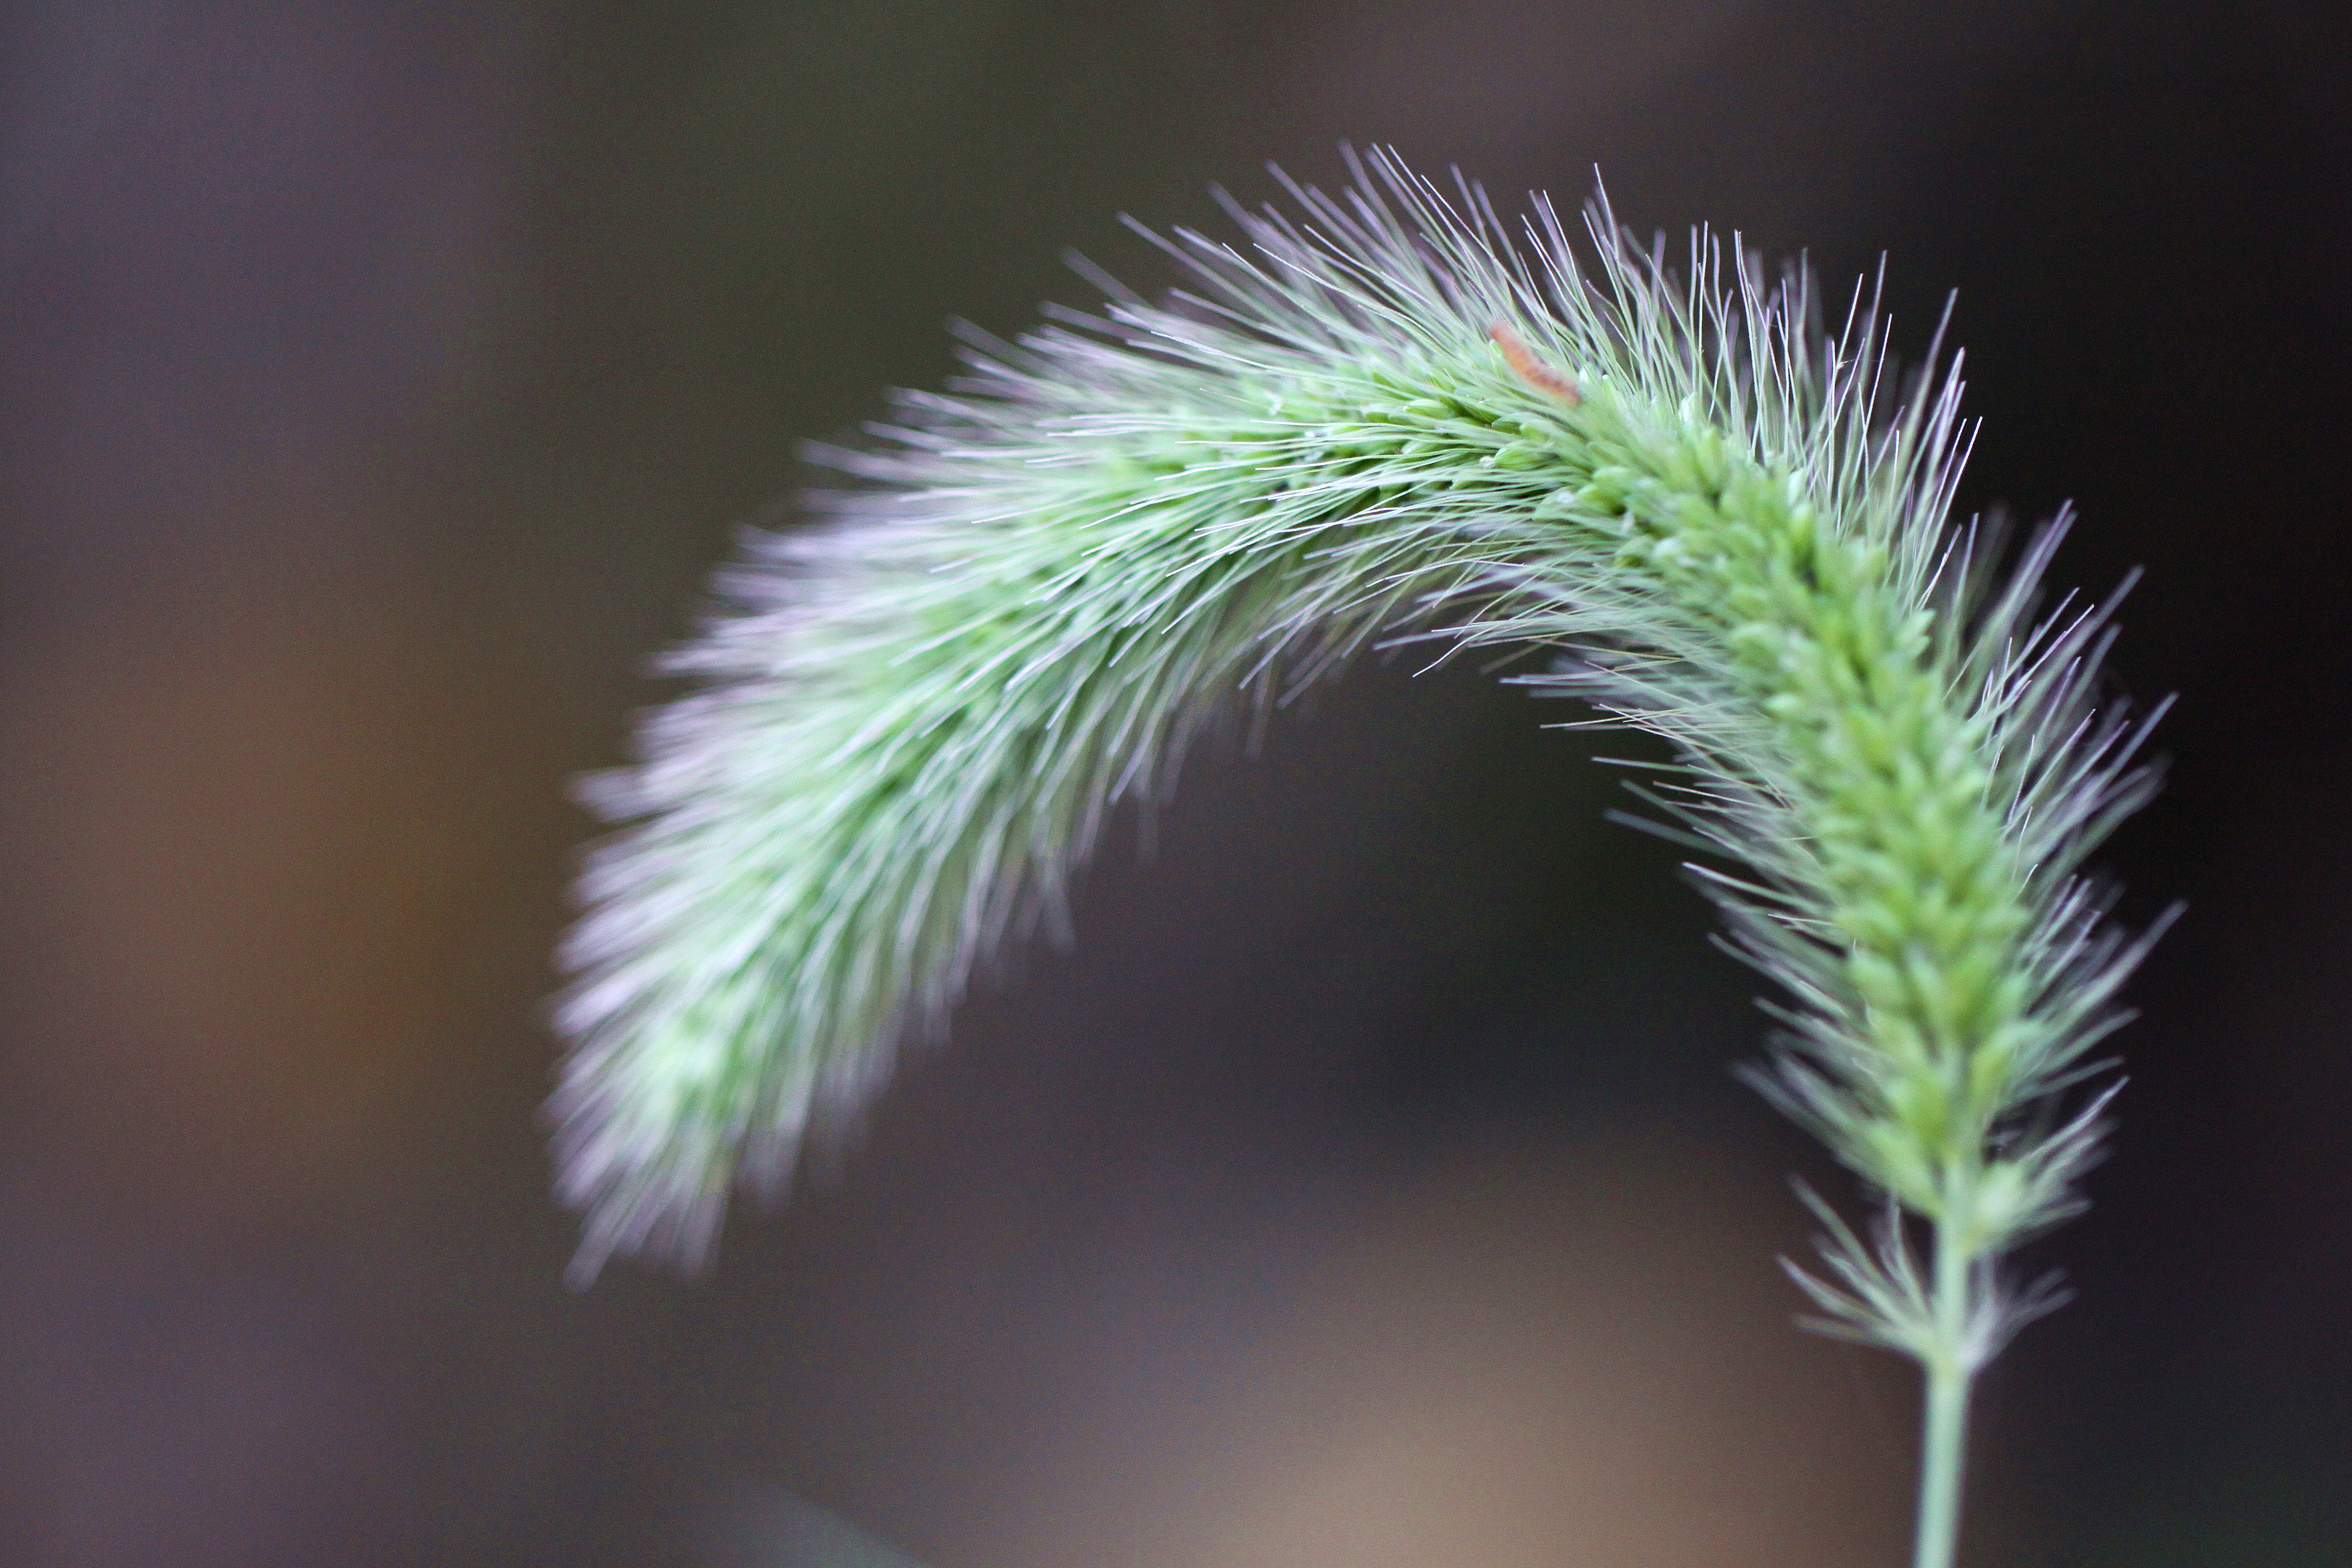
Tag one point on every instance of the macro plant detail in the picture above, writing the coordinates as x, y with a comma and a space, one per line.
1392, 417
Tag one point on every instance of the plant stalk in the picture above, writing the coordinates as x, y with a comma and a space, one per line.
1943, 1425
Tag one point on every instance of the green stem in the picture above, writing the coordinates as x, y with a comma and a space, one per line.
1944, 1427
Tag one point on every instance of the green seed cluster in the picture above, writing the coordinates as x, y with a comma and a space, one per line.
914, 720
1913, 897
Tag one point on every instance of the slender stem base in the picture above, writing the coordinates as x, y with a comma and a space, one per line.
1943, 1425
1942, 1443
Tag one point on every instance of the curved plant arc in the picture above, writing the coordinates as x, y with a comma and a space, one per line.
1390, 415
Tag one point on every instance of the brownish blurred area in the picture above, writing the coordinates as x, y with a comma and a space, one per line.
378, 384
1537, 1350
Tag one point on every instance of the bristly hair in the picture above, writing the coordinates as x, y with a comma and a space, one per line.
1387, 415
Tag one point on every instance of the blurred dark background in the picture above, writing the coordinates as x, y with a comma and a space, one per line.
378, 384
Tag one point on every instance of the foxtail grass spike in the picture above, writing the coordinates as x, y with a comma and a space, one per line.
1383, 414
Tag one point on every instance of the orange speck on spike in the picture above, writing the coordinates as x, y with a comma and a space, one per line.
1533, 370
